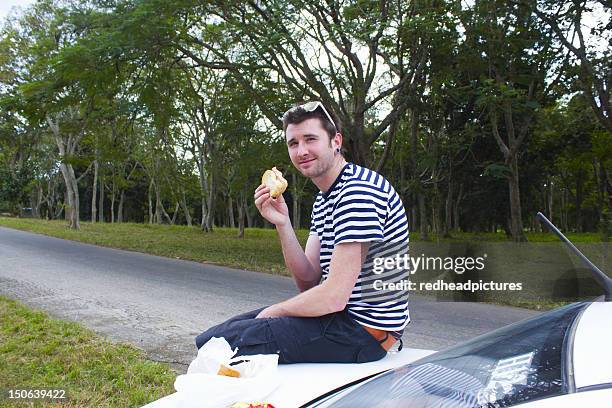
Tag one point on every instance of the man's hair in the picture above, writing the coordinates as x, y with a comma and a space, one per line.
296, 116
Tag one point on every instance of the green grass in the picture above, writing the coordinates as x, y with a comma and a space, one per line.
39, 352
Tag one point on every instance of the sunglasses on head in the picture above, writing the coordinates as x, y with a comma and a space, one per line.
311, 107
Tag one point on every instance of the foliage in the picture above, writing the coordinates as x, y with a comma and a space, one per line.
176, 104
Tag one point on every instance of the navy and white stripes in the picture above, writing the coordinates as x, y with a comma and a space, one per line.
362, 206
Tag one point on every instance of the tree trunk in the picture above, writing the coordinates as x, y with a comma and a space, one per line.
434, 219
408, 197
58, 212
535, 225
51, 201
158, 204
203, 221
67, 206
605, 215
185, 208
203, 191
230, 207
164, 213
211, 203
510, 152
72, 194
414, 213
150, 201
415, 176
357, 149
39, 200
241, 213
112, 208
516, 221
435, 210
549, 199
579, 199
423, 219
67, 147
249, 216
456, 225
101, 201
120, 209
508, 227
176, 209
448, 210
94, 191
564, 223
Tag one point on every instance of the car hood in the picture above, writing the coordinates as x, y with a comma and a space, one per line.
301, 383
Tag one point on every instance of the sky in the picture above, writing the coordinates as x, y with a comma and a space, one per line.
6, 5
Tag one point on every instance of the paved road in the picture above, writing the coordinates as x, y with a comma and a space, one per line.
160, 304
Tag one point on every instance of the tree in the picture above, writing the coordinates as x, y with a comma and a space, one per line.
59, 86
516, 51
355, 58
574, 149
593, 67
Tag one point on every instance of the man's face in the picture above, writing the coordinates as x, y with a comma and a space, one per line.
310, 149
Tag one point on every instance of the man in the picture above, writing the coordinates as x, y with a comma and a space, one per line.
341, 314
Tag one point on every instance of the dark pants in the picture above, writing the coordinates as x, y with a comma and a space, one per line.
333, 338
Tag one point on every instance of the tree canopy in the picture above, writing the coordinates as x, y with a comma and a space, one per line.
479, 113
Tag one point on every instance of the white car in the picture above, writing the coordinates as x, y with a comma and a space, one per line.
561, 358
556, 359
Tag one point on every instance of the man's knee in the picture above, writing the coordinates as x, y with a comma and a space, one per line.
201, 339
206, 335
221, 330
227, 329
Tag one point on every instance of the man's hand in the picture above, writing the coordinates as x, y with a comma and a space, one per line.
270, 311
272, 209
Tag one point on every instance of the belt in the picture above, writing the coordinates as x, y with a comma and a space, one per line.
384, 338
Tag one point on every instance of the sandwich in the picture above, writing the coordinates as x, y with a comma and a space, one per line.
273, 179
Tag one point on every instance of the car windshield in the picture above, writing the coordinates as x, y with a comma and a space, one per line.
515, 364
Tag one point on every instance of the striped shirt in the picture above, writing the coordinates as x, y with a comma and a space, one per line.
362, 206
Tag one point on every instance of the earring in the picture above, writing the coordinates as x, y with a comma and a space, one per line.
338, 150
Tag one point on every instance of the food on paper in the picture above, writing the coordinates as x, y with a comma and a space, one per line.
273, 179
228, 372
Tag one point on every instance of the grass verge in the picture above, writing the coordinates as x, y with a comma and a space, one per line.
39, 352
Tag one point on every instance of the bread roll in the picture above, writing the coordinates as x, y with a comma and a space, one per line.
273, 179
